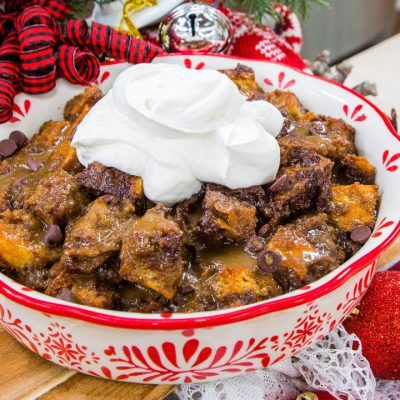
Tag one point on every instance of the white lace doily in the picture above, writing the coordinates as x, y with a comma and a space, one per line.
389, 390
332, 365
252, 386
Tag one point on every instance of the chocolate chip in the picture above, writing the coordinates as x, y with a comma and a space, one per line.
7, 147
269, 262
53, 236
34, 165
254, 244
265, 230
354, 247
66, 295
304, 157
393, 119
360, 234
318, 128
288, 127
19, 182
284, 182
188, 284
288, 279
186, 288
108, 198
19, 138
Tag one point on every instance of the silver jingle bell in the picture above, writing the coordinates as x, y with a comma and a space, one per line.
195, 28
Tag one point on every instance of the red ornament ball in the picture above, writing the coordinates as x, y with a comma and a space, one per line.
324, 396
378, 325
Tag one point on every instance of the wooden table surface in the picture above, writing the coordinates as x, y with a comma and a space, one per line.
25, 376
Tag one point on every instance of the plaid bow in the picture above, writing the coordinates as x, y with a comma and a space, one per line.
35, 50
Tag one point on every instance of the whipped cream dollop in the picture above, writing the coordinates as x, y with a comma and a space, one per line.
177, 127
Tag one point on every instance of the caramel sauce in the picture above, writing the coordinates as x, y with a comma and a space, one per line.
130, 291
296, 252
194, 217
39, 148
152, 221
16, 167
228, 256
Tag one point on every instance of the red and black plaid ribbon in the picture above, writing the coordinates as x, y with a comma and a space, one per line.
58, 9
7, 94
76, 65
104, 40
35, 50
9, 74
37, 38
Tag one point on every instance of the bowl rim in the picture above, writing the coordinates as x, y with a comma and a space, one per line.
132, 320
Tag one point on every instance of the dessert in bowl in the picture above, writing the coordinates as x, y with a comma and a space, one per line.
225, 277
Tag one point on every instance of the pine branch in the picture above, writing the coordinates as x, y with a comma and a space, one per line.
257, 8
80, 8
101, 2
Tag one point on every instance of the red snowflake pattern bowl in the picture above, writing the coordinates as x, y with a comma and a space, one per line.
177, 348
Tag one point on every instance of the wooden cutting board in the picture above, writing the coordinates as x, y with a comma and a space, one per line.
25, 376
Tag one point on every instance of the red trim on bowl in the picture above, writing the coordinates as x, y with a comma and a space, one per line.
142, 321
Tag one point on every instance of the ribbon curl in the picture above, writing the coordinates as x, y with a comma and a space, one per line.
35, 50
37, 36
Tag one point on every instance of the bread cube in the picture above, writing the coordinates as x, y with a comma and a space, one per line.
153, 252
354, 205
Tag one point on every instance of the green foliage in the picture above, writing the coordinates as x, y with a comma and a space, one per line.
103, 1
79, 7
257, 8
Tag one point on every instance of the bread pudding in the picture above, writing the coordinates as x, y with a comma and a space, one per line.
90, 235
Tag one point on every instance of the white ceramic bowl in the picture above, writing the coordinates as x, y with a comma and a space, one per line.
181, 348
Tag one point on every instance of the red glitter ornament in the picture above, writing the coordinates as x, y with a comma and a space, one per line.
378, 325
324, 396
